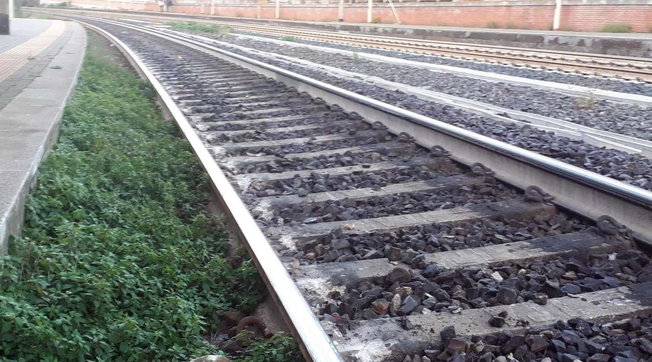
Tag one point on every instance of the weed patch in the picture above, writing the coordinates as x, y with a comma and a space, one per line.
279, 348
62, 4
616, 28
200, 27
119, 259
493, 25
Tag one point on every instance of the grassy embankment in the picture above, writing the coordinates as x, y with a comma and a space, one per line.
119, 259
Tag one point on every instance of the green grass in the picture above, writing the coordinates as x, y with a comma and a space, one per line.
119, 259
199, 27
280, 348
616, 28
63, 4
289, 38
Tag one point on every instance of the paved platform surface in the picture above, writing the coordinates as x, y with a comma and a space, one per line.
39, 65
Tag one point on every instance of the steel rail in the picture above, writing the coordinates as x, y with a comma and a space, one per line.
415, 126
315, 344
243, 22
572, 130
466, 147
586, 60
582, 191
469, 140
471, 46
563, 88
574, 188
462, 50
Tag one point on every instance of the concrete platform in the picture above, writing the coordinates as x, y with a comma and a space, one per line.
39, 65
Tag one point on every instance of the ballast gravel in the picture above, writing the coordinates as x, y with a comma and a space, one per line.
344, 159
599, 82
632, 120
430, 288
624, 340
435, 289
396, 204
630, 168
406, 243
319, 182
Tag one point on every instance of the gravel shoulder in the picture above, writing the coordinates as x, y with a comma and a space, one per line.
631, 120
599, 82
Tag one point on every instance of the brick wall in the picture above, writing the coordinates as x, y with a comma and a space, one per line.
592, 18
579, 15
529, 17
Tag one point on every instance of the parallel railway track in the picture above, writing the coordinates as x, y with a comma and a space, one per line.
395, 226
599, 64
630, 68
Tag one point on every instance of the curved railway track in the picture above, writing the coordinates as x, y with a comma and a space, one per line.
377, 229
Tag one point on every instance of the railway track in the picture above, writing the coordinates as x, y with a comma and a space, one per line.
571, 130
630, 68
386, 235
595, 64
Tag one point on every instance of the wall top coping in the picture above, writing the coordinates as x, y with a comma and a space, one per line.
479, 3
